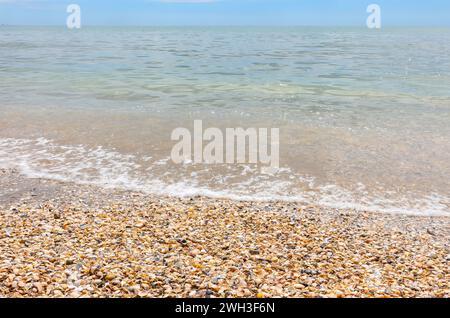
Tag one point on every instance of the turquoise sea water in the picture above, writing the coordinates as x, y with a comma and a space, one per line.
364, 115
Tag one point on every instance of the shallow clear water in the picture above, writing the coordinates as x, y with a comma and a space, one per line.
364, 116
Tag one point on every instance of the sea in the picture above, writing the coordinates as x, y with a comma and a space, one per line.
363, 115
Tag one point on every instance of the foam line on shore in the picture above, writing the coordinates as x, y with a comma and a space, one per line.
42, 158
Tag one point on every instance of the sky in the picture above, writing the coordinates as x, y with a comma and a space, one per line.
226, 12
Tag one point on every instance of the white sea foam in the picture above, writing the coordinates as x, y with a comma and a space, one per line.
43, 158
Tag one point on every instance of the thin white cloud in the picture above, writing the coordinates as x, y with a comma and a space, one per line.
187, 1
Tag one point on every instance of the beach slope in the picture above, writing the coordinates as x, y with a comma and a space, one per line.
67, 240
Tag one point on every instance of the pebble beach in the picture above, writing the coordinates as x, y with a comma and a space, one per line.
67, 240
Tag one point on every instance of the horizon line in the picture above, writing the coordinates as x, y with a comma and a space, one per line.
228, 25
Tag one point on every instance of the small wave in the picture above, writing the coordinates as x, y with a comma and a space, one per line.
43, 158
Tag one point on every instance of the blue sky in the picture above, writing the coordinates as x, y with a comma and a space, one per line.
226, 12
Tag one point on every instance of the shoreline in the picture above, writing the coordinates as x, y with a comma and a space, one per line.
68, 240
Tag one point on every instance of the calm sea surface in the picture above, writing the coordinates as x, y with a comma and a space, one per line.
364, 116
